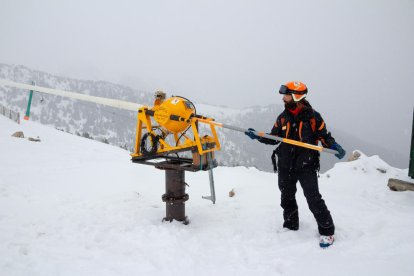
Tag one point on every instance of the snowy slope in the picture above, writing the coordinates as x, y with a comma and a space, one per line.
73, 206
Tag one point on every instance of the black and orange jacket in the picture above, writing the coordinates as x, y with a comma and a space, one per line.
308, 127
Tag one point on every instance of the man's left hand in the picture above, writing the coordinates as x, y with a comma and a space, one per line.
341, 152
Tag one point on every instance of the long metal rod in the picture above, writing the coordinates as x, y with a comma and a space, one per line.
276, 138
74, 95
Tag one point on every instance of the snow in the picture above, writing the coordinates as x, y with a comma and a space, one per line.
74, 206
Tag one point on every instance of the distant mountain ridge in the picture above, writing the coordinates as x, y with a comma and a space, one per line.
117, 127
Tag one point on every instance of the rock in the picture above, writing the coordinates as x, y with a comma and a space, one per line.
18, 134
354, 156
400, 185
231, 193
382, 170
34, 139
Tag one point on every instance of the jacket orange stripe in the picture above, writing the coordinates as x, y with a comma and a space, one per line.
323, 142
288, 128
300, 130
322, 125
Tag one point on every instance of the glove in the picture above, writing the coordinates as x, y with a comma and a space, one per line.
341, 152
250, 133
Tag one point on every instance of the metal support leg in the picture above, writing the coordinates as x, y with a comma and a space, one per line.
212, 196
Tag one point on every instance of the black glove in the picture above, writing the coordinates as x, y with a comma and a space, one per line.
341, 152
250, 133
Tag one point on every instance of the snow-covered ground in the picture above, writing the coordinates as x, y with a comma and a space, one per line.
73, 206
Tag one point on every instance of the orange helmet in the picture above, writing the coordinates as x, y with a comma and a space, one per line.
297, 89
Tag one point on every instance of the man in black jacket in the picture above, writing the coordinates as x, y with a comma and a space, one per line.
300, 122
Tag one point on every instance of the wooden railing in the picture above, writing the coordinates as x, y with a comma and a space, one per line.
12, 115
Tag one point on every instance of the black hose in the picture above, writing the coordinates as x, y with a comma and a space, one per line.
154, 146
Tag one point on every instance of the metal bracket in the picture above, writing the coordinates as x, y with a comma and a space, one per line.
212, 196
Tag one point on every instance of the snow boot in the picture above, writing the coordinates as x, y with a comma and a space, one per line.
326, 241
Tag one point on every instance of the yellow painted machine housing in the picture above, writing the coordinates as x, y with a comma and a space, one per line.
174, 115
173, 106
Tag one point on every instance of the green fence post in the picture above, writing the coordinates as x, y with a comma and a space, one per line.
411, 168
27, 116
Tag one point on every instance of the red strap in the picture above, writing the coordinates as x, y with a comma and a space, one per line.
295, 111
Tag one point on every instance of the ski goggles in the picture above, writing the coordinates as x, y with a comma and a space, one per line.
285, 90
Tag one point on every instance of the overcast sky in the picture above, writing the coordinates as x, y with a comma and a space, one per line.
356, 56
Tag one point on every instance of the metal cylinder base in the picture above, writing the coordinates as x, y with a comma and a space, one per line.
175, 196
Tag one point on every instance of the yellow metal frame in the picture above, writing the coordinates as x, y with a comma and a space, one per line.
187, 142
207, 139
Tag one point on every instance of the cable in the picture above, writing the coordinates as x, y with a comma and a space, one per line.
195, 110
195, 113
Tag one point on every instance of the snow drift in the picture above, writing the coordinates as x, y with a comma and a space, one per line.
73, 206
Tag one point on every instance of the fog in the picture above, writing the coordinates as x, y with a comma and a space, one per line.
355, 56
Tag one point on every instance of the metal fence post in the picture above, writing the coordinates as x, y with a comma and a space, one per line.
411, 168
27, 116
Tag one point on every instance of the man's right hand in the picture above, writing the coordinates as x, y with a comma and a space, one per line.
250, 133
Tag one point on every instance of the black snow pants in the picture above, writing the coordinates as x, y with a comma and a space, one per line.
309, 182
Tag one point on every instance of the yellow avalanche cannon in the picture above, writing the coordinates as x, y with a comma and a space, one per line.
170, 127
